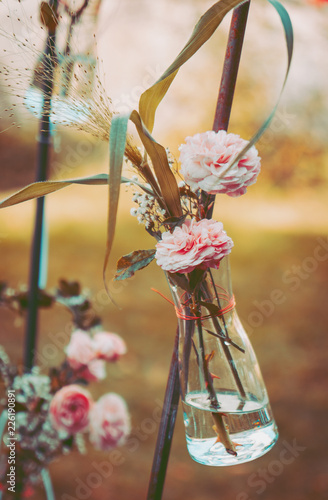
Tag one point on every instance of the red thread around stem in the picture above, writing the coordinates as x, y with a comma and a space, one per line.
231, 303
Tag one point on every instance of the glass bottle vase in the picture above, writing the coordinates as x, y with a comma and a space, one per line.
227, 415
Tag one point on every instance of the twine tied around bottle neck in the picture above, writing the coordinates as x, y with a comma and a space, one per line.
220, 311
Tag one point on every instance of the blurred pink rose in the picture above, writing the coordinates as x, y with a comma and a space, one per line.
204, 158
87, 355
109, 346
93, 371
109, 422
70, 408
80, 350
193, 245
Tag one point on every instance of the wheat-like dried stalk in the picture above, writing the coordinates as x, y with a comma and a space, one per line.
79, 98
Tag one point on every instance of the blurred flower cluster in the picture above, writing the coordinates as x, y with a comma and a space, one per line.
55, 413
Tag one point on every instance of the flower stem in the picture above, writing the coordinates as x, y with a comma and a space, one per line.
223, 337
230, 360
220, 427
204, 365
223, 433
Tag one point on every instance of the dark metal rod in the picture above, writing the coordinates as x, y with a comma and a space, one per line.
221, 120
229, 77
44, 142
164, 438
230, 67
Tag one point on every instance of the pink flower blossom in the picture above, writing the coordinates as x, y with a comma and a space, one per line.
109, 346
70, 408
193, 245
205, 156
80, 350
93, 371
109, 422
87, 355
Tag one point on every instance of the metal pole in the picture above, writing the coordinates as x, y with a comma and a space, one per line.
164, 438
221, 120
230, 67
44, 142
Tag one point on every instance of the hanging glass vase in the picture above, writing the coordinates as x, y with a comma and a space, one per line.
227, 415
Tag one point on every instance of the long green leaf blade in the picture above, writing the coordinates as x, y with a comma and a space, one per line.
289, 36
165, 177
38, 189
117, 143
203, 30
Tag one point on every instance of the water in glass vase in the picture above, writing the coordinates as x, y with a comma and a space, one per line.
249, 425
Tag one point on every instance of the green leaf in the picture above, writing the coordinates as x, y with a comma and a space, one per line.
180, 280
43, 188
203, 30
129, 264
289, 36
212, 308
125, 180
195, 277
158, 156
175, 221
117, 142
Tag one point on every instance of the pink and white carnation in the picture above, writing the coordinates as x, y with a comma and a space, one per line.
70, 409
204, 158
193, 245
109, 422
80, 350
109, 346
